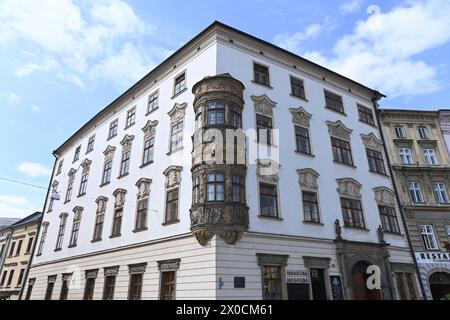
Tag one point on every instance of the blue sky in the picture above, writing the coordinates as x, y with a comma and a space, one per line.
62, 61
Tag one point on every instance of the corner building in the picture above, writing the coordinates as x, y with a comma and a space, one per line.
143, 215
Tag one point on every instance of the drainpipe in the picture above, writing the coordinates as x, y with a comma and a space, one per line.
27, 270
394, 185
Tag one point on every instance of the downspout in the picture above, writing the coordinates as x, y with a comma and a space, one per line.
38, 229
394, 185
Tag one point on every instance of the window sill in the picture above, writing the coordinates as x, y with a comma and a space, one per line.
305, 154
123, 175
297, 97
75, 160
345, 164
265, 144
129, 126
104, 184
270, 218
313, 223
87, 152
179, 93
80, 195
72, 246
170, 222
27, 253
151, 111
398, 234
356, 228
96, 240
115, 236
368, 123
268, 86
57, 249
67, 201
175, 150
140, 229
16, 255
109, 138
145, 164
338, 112
379, 173
38, 254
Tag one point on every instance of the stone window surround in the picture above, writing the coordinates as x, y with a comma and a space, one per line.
148, 102
263, 105
177, 114
262, 64
277, 260
180, 73
173, 181
319, 263
304, 87
149, 131
351, 189
167, 266
143, 185
308, 182
268, 179
302, 118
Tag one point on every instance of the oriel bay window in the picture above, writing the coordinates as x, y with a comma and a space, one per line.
268, 200
216, 113
215, 187
235, 113
196, 190
352, 213
389, 219
238, 192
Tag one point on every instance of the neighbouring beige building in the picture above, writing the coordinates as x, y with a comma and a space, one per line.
17, 248
421, 164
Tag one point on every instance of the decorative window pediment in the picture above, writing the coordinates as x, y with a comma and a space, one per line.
300, 116
127, 142
263, 104
86, 165
55, 184
119, 194
77, 212
101, 204
45, 224
137, 268
109, 152
372, 142
168, 265
173, 176
149, 129
267, 170
143, 185
384, 196
177, 112
349, 187
339, 130
63, 215
71, 174
308, 179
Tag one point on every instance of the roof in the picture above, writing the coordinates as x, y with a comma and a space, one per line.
31, 218
4, 222
212, 26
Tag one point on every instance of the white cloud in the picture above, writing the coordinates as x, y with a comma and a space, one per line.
69, 39
33, 169
292, 41
380, 52
16, 207
350, 6
11, 97
35, 108
18, 201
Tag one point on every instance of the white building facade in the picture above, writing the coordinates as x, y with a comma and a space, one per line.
142, 215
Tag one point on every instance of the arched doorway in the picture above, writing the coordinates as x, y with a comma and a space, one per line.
359, 279
440, 285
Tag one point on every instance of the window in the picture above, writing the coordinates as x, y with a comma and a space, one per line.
302, 140
108, 290
238, 192
30, 288
261, 74
148, 151
152, 102
268, 200
125, 163
428, 237
131, 117
20, 279
135, 286
423, 133
113, 128
342, 152
69, 191
215, 187
29, 244
64, 289
196, 190
42, 241
334, 102
430, 156
106, 177
388, 219
62, 227
117, 223
49, 291
11, 275
216, 113
75, 229
141, 215
415, 192
198, 118
180, 84
83, 184
90, 145
352, 212
172, 205
77, 154
264, 129
272, 289
399, 132
19, 247
167, 291
405, 155
376, 163
297, 88
310, 207
440, 192
98, 228
11, 250
405, 284
366, 115
2, 283
176, 136
60, 165
235, 115
89, 288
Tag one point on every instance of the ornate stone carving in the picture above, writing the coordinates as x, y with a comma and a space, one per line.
338, 130
137, 268
223, 82
267, 170
173, 176
71, 174
150, 129
111, 271
86, 165
63, 216
101, 204
349, 187
372, 142
308, 179
264, 258
203, 236
338, 229
127, 142
177, 112
54, 186
380, 233
91, 273
143, 185
168, 265
264, 105
119, 194
77, 212
300, 116
45, 224
109, 153
384, 196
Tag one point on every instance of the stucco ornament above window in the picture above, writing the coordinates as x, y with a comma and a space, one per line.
150, 128
173, 176
127, 142
101, 204
384, 196
349, 187
177, 112
308, 179
338, 130
264, 105
109, 152
86, 165
372, 142
120, 197
300, 116
143, 185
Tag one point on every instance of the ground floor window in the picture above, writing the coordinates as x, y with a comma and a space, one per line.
167, 285
135, 290
405, 285
272, 289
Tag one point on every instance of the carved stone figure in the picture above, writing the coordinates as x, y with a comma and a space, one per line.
338, 229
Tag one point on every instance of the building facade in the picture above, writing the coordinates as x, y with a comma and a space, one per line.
149, 208
16, 245
420, 162
444, 123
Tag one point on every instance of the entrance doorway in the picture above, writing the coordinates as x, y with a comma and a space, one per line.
359, 286
440, 285
319, 291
